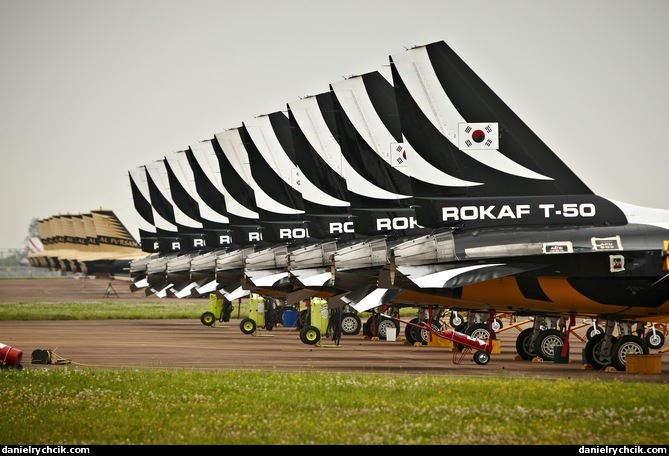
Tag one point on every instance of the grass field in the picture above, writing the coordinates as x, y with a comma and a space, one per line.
86, 407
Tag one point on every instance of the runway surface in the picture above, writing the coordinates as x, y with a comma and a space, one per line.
188, 344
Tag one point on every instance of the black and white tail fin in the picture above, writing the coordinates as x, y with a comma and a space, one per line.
168, 214
215, 230
268, 144
473, 161
369, 131
148, 235
318, 157
226, 190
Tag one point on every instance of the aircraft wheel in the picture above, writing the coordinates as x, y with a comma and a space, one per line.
627, 345
478, 331
524, 347
593, 331
247, 325
497, 324
455, 320
548, 341
593, 352
424, 334
208, 318
418, 336
384, 324
410, 329
310, 335
350, 324
481, 357
654, 340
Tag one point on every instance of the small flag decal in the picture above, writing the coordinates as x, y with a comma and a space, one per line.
398, 155
478, 136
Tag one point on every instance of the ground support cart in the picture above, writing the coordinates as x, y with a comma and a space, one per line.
219, 309
319, 318
482, 347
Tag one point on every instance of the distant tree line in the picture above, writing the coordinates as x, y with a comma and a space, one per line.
12, 257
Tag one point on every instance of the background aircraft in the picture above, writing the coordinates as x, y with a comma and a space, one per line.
93, 243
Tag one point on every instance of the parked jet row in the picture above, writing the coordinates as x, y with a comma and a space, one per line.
92, 243
429, 192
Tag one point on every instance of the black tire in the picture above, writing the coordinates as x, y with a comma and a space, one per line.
310, 335
478, 331
548, 341
593, 331
461, 327
417, 336
455, 320
350, 324
384, 324
524, 347
627, 345
409, 331
247, 325
497, 324
654, 340
481, 357
368, 329
423, 334
208, 318
592, 352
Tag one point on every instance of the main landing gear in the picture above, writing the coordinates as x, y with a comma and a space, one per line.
603, 349
542, 339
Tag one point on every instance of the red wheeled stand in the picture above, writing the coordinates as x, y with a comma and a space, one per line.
482, 347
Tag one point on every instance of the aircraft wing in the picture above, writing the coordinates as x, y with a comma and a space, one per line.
237, 293
449, 275
267, 277
376, 298
437, 276
312, 277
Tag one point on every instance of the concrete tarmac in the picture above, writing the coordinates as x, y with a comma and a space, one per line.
188, 344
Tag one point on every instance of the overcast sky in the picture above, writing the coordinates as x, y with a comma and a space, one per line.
92, 89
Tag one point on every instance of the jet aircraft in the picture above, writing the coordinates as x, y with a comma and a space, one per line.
93, 243
515, 230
